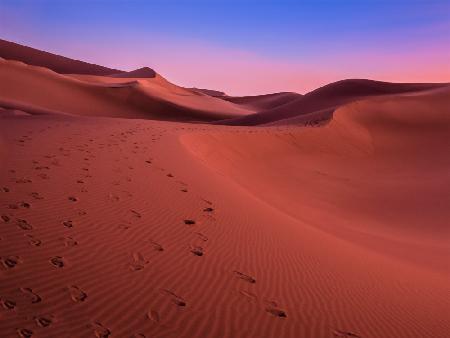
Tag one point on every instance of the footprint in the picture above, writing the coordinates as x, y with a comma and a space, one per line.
58, 261
44, 176
206, 201
197, 250
73, 199
69, 241
36, 196
77, 294
156, 246
5, 189
8, 304
24, 225
276, 312
184, 190
33, 241
25, 333
44, 321
25, 205
124, 226
35, 298
343, 334
135, 213
169, 175
68, 224
24, 180
10, 262
245, 277
201, 236
189, 222
5, 218
153, 315
100, 331
139, 262
208, 210
247, 294
177, 300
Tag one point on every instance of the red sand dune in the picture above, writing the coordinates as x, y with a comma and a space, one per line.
143, 72
148, 98
121, 227
263, 102
60, 64
327, 99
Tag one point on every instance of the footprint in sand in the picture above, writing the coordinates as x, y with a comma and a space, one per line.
124, 226
201, 236
184, 190
343, 334
58, 262
139, 262
135, 213
25, 205
73, 199
36, 196
76, 294
156, 246
5, 218
10, 262
243, 276
23, 180
153, 316
25, 333
274, 310
208, 210
44, 176
177, 300
68, 224
34, 297
23, 224
100, 330
169, 175
44, 321
189, 222
33, 240
197, 250
69, 241
248, 294
5, 189
8, 304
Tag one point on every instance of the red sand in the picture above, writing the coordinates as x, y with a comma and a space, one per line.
120, 227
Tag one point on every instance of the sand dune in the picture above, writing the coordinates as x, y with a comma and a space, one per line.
143, 72
60, 64
327, 99
120, 227
263, 102
147, 98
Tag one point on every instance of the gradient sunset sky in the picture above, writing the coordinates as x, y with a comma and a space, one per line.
244, 47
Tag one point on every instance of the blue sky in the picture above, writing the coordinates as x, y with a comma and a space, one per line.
201, 42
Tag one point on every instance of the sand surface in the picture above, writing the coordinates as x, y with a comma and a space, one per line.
115, 225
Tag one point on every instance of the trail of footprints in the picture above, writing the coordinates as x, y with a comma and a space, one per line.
137, 263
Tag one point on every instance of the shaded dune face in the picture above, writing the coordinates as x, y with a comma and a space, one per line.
148, 98
320, 103
376, 175
57, 63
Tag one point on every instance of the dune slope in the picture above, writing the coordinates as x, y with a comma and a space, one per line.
320, 103
60, 64
147, 98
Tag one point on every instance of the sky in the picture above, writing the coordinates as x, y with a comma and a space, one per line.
244, 47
